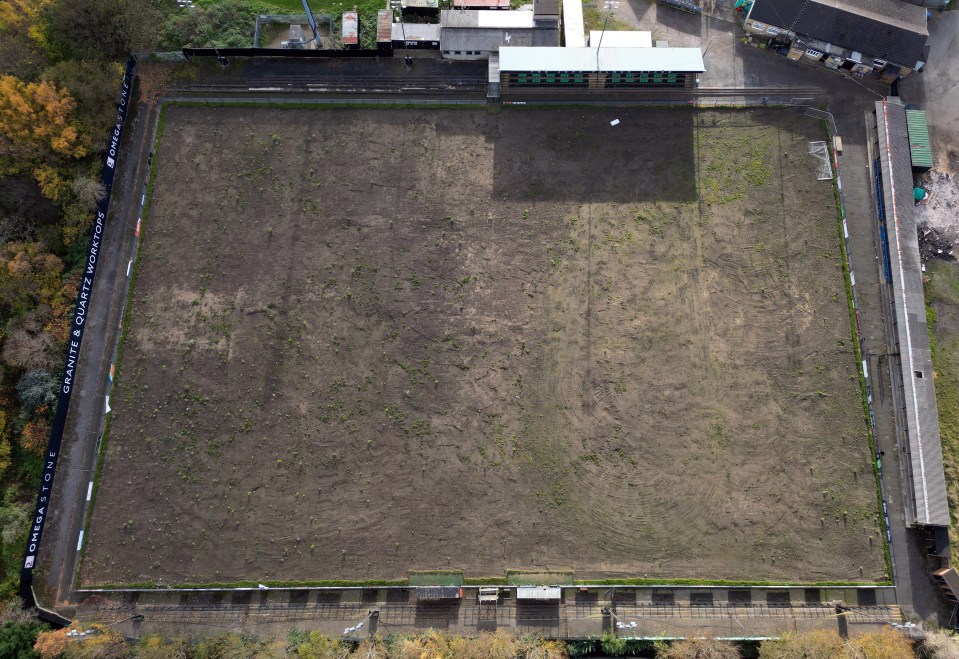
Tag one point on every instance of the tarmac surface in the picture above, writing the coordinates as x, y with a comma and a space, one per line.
936, 88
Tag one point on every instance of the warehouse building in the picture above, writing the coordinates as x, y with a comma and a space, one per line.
476, 34
886, 38
479, 34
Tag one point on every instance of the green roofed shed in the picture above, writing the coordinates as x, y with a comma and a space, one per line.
919, 146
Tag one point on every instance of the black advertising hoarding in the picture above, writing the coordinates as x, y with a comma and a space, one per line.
74, 340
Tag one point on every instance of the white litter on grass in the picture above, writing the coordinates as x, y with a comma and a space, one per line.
107, 405
614, 122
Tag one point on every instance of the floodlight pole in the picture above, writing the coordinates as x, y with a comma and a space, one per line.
608, 12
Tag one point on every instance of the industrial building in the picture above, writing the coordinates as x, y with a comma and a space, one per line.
886, 38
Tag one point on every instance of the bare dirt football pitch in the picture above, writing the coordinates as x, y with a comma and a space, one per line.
367, 341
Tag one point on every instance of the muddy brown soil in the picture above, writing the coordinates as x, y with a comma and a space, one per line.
368, 341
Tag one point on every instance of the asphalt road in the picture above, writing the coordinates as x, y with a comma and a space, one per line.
57, 561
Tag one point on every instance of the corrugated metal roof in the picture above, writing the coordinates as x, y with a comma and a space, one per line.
620, 39
929, 505
416, 32
574, 30
539, 593
888, 29
351, 27
420, 4
384, 25
680, 60
919, 144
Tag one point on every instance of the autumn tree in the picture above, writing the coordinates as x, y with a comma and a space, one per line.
101, 643
21, 44
36, 125
887, 643
50, 645
28, 276
939, 644
701, 648
317, 645
5, 448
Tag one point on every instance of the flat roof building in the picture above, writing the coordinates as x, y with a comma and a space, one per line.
384, 29
574, 30
481, 4
416, 35
351, 29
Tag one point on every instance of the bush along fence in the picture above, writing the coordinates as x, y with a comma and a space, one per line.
70, 367
827, 118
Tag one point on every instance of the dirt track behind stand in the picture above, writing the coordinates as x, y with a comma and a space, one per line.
364, 341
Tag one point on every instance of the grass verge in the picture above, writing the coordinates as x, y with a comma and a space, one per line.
941, 284
847, 281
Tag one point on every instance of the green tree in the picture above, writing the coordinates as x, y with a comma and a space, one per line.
37, 388
225, 24
17, 639
97, 29
94, 87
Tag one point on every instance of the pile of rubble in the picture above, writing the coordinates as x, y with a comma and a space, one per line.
935, 244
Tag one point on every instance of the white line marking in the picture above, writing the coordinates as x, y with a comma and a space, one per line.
107, 405
80, 541
89, 490
129, 267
